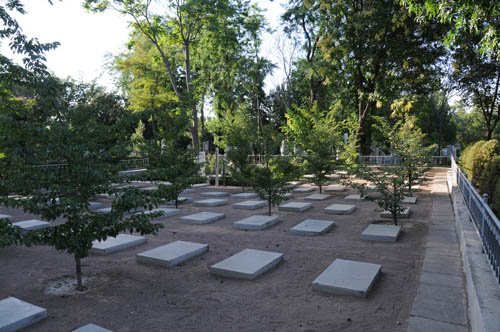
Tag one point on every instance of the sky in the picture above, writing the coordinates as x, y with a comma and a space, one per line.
87, 40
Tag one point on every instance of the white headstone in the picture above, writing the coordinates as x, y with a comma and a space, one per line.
247, 264
340, 209
173, 253
16, 314
250, 205
210, 202
312, 227
202, 218
256, 223
114, 244
295, 207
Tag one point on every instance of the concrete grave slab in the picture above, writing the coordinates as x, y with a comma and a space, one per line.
308, 176
381, 233
5, 216
312, 227
199, 185
409, 200
335, 189
340, 209
250, 205
210, 202
108, 210
16, 314
247, 264
182, 200
245, 195
256, 223
172, 254
32, 224
114, 244
215, 194
402, 215
295, 207
95, 205
317, 197
295, 183
303, 190
91, 328
354, 197
344, 277
166, 212
202, 218
152, 188
188, 191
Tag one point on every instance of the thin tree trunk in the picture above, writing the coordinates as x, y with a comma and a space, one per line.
79, 285
394, 203
194, 112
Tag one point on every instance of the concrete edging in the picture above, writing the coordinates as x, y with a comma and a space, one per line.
483, 292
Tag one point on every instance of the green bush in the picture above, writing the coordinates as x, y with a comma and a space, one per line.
468, 156
495, 201
489, 177
475, 159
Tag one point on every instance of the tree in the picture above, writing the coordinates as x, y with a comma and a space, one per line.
270, 178
59, 158
477, 77
477, 17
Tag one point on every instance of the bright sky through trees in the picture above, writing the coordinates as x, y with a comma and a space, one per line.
87, 38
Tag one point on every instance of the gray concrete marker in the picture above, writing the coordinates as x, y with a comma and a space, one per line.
202, 218
215, 194
250, 205
335, 189
166, 212
172, 254
114, 244
317, 197
303, 190
295, 207
182, 200
245, 195
199, 185
188, 191
346, 277
247, 264
339, 209
402, 215
409, 200
312, 227
31, 225
354, 197
5, 216
381, 233
256, 223
94, 205
16, 314
210, 202
91, 328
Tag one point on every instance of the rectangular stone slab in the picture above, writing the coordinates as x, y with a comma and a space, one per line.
199, 185
113, 244
250, 205
108, 210
256, 223
317, 197
188, 191
295, 207
31, 225
94, 205
402, 215
354, 197
312, 227
344, 277
245, 195
295, 183
210, 202
247, 264
303, 190
167, 212
5, 216
172, 254
334, 189
202, 218
340, 209
381, 233
16, 314
152, 188
182, 200
409, 200
215, 194
91, 328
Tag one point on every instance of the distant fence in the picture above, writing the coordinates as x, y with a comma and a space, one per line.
436, 161
487, 224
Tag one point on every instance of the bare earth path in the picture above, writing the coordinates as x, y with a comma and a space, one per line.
125, 296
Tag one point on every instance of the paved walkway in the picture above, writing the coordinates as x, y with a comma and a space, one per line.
440, 303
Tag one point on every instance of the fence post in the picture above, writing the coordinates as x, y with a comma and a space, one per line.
216, 167
485, 198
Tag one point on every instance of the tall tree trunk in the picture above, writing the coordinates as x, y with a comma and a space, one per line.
194, 112
79, 285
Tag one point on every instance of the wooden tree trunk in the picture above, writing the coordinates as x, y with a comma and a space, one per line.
79, 285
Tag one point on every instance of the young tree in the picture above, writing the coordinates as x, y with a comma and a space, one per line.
270, 178
59, 158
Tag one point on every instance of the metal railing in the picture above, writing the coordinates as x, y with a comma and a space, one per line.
129, 164
487, 224
389, 160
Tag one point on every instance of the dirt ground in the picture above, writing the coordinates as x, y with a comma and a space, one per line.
125, 296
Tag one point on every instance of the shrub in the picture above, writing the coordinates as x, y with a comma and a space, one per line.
484, 155
495, 201
468, 156
489, 177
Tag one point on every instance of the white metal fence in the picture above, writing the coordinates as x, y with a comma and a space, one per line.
389, 160
487, 224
